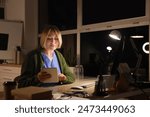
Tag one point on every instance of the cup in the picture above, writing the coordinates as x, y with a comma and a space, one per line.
109, 81
8, 86
79, 72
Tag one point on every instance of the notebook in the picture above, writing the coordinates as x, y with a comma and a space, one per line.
53, 75
32, 93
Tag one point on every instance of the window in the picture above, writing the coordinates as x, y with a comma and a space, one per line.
110, 10
95, 57
69, 48
90, 21
1, 13
2, 9
62, 13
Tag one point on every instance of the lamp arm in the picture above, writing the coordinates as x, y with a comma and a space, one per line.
134, 47
138, 55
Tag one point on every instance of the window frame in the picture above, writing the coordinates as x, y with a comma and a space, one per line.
124, 23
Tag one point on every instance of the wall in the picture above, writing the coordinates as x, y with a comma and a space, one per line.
26, 11
15, 10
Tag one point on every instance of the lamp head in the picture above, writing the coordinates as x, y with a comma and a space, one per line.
115, 34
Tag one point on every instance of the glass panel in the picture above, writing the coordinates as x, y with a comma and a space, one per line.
63, 13
96, 58
95, 11
69, 48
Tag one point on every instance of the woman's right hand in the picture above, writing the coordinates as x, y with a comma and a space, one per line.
43, 75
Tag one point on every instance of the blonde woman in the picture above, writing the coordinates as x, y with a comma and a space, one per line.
45, 57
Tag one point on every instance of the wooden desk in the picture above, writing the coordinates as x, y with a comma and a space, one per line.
134, 93
82, 82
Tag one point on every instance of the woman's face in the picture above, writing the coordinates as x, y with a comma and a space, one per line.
52, 42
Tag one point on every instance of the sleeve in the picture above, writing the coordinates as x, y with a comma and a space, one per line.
28, 75
66, 70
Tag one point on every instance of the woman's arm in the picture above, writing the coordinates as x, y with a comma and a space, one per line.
29, 71
70, 77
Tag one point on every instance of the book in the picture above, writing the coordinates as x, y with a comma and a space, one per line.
32, 93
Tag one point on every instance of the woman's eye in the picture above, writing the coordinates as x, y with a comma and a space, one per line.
49, 39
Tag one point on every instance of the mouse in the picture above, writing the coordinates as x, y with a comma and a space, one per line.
77, 87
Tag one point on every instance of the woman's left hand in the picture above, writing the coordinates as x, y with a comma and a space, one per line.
62, 77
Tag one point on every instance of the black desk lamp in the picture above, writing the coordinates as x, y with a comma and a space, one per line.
115, 34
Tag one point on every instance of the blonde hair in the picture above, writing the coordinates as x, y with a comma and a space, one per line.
49, 31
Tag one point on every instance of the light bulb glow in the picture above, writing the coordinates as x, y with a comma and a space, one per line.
144, 47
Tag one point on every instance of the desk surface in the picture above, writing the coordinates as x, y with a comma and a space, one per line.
112, 95
82, 82
90, 83
66, 87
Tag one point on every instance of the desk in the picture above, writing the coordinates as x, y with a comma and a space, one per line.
66, 87
132, 94
135, 94
81, 82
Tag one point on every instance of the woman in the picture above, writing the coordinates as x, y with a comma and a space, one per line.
45, 57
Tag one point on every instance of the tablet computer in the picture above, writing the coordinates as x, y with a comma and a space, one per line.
53, 75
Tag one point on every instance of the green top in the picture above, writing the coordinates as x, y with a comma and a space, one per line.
32, 66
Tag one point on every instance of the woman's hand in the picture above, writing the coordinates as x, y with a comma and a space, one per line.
62, 77
43, 75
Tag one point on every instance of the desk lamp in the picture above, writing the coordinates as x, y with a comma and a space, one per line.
115, 34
